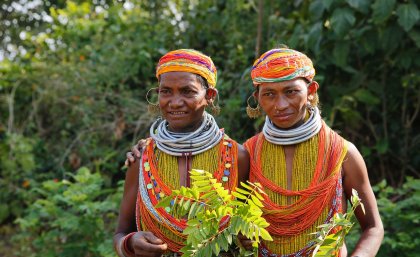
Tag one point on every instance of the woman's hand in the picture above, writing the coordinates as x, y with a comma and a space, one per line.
245, 242
146, 244
135, 152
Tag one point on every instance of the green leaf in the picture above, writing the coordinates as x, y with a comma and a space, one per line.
317, 9
238, 195
365, 96
382, 146
265, 235
205, 189
192, 211
415, 36
247, 186
360, 5
215, 247
228, 236
201, 183
382, 10
340, 53
327, 3
187, 204
342, 20
256, 201
244, 192
164, 202
208, 195
314, 37
408, 15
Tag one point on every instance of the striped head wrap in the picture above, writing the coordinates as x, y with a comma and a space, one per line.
188, 60
281, 64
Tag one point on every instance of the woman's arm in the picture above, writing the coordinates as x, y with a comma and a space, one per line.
356, 177
142, 243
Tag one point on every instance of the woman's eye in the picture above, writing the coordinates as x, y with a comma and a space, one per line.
268, 94
163, 91
189, 92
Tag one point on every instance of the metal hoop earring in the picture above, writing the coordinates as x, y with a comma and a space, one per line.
215, 108
151, 107
253, 112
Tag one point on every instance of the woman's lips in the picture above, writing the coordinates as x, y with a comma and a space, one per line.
283, 117
177, 113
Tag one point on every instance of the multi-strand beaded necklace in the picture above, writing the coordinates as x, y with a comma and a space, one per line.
315, 194
159, 175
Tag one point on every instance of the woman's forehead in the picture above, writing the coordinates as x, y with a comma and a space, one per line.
282, 85
179, 78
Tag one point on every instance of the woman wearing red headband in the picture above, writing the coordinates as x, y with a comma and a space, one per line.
307, 170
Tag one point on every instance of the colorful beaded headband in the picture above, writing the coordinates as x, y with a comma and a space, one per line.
281, 64
188, 60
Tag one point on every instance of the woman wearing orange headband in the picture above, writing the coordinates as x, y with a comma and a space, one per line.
187, 137
307, 170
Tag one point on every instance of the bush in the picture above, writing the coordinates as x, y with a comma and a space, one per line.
399, 209
70, 218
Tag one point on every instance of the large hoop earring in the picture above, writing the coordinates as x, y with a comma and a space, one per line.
253, 112
215, 108
151, 107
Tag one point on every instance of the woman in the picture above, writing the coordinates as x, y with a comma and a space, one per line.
186, 138
307, 170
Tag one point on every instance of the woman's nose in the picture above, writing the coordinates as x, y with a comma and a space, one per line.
281, 103
175, 102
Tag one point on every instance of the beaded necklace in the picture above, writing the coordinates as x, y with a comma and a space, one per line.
297, 135
315, 194
158, 177
179, 144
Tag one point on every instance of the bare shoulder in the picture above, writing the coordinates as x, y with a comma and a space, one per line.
354, 164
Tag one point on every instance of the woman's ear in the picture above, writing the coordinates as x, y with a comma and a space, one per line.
313, 87
211, 94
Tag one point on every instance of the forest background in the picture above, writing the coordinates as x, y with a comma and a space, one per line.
73, 78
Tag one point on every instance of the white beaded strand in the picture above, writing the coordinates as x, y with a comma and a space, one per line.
293, 136
202, 139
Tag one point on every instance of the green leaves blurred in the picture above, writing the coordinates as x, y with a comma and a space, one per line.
70, 217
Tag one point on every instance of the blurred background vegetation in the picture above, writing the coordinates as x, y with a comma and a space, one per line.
73, 77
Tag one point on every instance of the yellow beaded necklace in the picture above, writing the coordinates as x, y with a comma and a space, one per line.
304, 162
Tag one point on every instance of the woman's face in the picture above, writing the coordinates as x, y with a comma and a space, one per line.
284, 102
182, 99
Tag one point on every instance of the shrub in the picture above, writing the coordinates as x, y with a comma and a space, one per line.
70, 218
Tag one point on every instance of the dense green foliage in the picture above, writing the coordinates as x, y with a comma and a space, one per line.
72, 91
399, 209
68, 218
216, 216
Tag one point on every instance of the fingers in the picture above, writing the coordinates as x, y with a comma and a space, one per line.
129, 159
147, 244
136, 149
245, 242
151, 238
